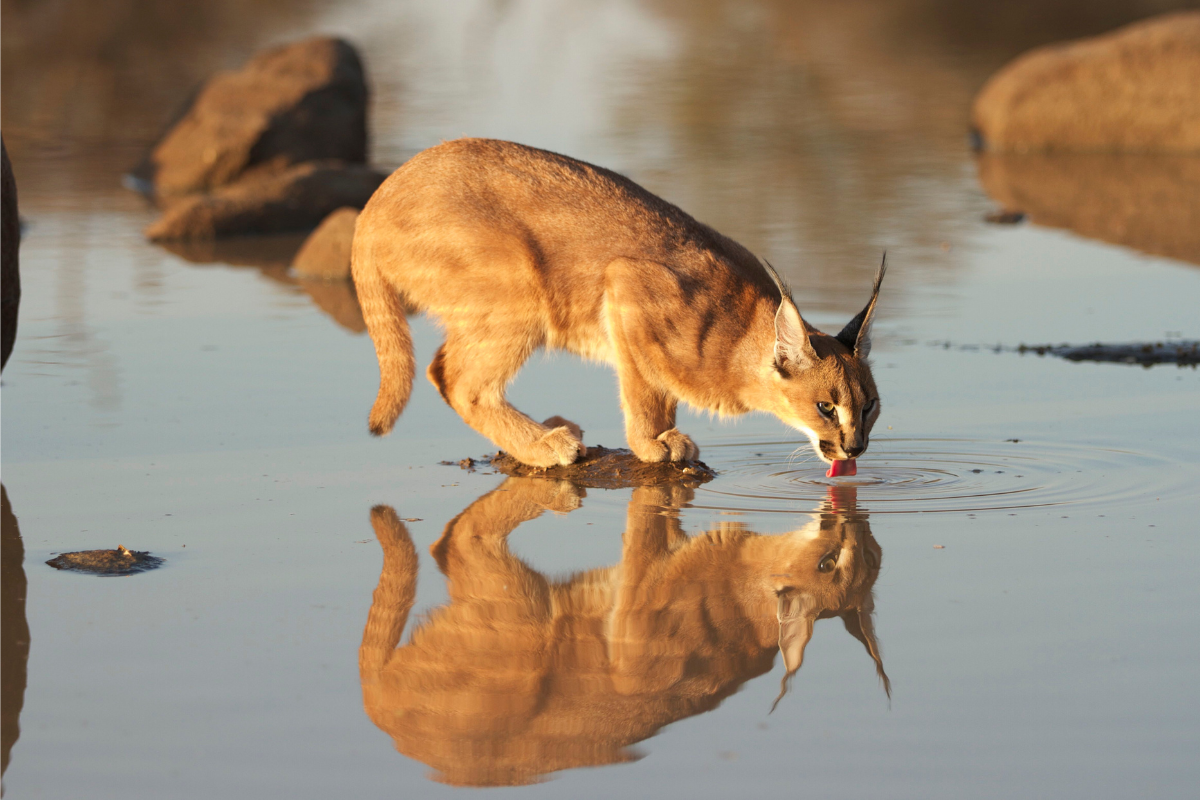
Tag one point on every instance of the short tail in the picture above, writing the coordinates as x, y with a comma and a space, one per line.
384, 314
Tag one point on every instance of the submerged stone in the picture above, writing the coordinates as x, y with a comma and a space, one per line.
121, 561
603, 468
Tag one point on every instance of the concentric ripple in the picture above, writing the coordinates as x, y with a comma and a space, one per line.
934, 475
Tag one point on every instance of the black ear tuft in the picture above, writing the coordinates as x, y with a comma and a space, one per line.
856, 336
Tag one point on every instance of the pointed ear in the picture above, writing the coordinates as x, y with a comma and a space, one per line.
859, 624
856, 336
796, 614
792, 345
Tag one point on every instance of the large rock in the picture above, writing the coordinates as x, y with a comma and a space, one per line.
325, 254
1134, 90
294, 200
1142, 201
10, 273
300, 102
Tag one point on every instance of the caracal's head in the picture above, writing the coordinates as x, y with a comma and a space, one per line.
822, 384
827, 569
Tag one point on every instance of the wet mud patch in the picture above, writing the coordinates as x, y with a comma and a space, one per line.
603, 468
121, 561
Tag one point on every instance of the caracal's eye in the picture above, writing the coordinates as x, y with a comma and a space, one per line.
828, 411
827, 563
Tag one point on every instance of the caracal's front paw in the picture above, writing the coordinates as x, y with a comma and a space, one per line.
558, 422
670, 445
555, 447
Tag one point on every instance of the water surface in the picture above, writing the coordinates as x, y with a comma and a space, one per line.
1035, 607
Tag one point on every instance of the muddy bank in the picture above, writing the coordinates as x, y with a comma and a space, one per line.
1139, 201
121, 561
1185, 353
603, 468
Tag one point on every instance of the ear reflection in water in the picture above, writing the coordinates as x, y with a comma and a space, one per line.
519, 676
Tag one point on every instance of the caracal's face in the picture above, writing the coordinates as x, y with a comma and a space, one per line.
833, 401
833, 562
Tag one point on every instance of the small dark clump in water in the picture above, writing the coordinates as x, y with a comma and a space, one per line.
1005, 217
121, 561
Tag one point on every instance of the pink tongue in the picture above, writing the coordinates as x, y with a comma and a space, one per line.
838, 468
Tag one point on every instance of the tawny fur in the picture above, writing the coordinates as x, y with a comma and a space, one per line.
513, 249
519, 676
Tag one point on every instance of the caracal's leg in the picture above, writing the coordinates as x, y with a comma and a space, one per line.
649, 409
471, 372
650, 415
650, 420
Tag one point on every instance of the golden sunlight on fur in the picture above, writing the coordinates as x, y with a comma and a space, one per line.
513, 249
519, 676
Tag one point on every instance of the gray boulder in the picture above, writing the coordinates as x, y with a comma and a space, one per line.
300, 102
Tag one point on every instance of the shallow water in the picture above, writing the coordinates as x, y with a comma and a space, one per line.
1035, 606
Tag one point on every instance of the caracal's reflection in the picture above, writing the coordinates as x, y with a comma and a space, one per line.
519, 676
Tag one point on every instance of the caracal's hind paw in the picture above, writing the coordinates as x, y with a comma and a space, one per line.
670, 445
558, 422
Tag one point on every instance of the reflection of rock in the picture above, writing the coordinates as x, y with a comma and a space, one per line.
1145, 202
121, 561
300, 102
1134, 90
14, 627
519, 675
339, 300
272, 255
296, 199
602, 468
326, 252
10, 274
